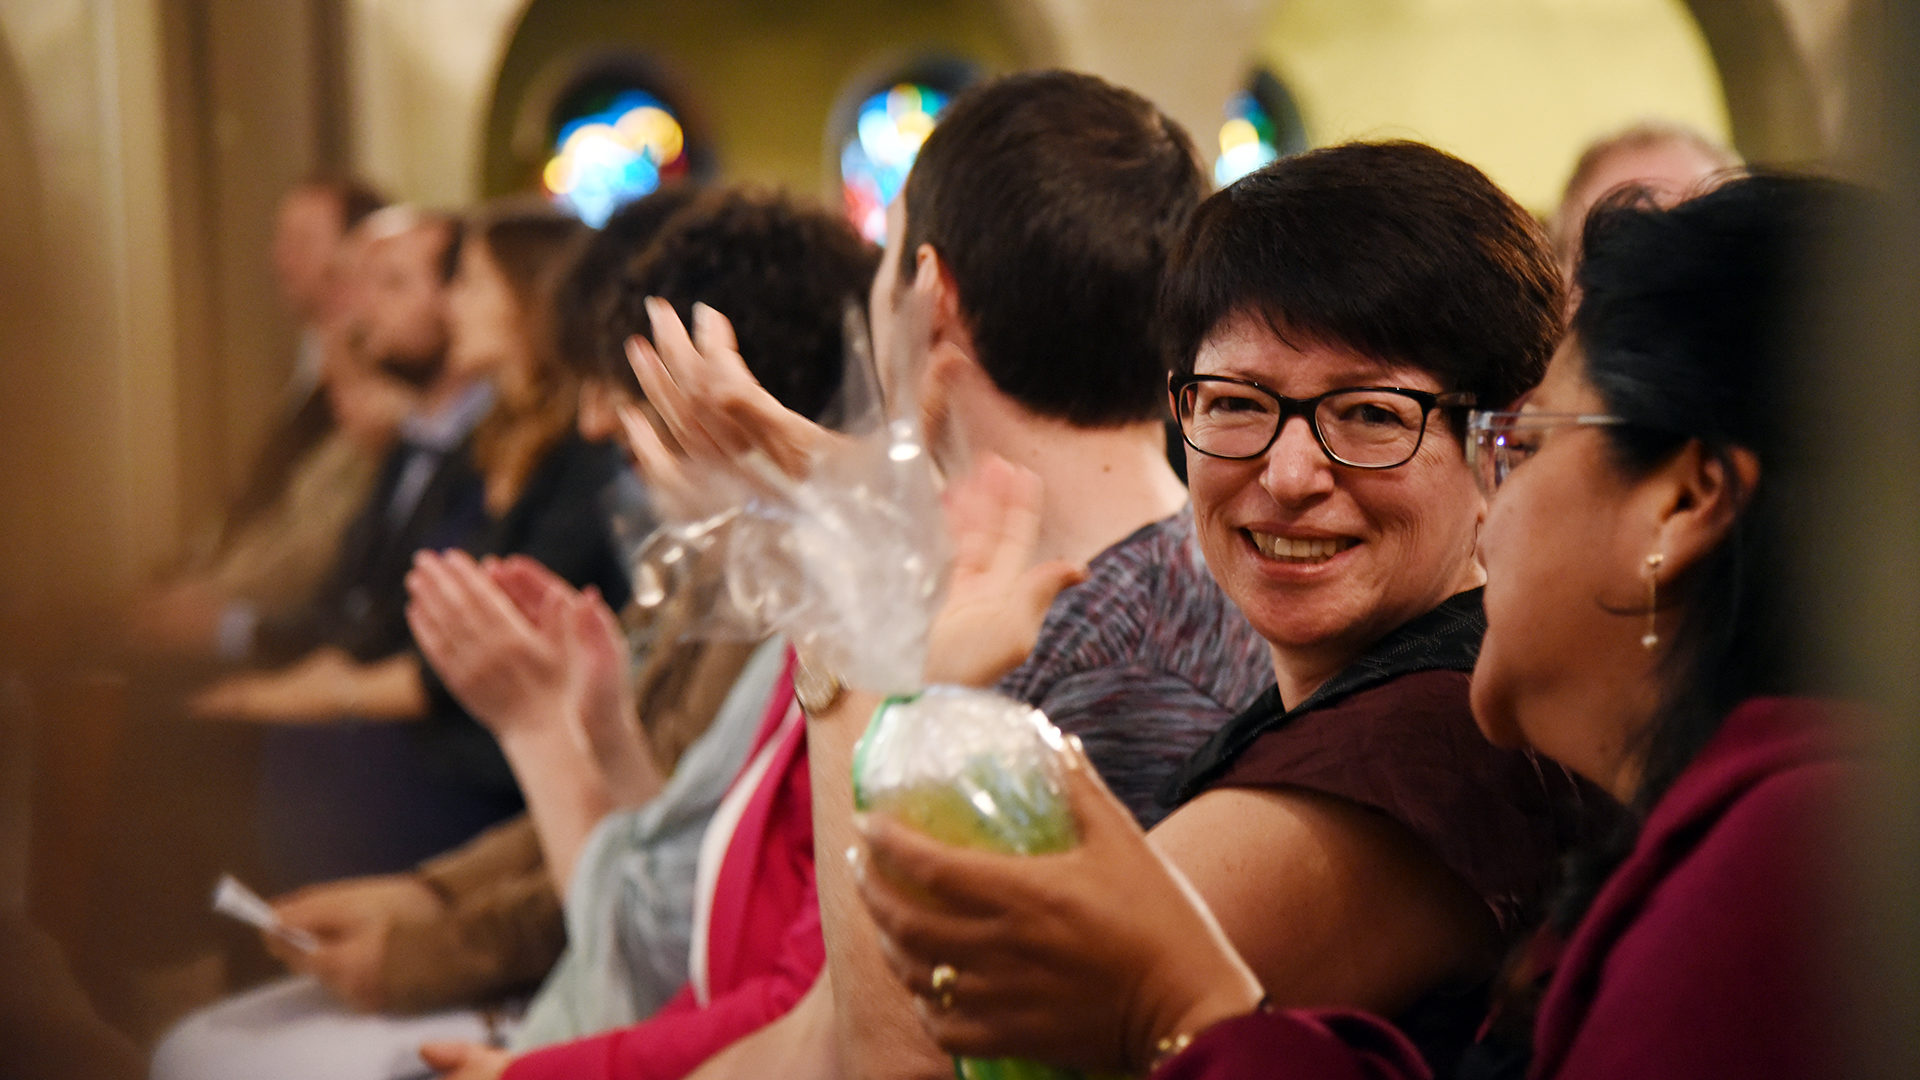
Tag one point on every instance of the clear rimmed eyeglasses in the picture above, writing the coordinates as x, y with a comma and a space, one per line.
1366, 427
1500, 442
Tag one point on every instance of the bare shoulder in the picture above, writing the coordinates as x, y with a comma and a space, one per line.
1330, 902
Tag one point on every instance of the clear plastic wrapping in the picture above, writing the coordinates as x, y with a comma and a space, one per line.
972, 769
845, 561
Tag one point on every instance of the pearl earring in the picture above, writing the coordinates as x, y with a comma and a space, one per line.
1652, 637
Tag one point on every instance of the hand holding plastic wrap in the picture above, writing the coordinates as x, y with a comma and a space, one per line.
834, 540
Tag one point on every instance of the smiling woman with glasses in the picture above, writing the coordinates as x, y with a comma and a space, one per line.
1330, 318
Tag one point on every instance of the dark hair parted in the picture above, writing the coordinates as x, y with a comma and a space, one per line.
1053, 199
1395, 250
1697, 325
586, 290
782, 272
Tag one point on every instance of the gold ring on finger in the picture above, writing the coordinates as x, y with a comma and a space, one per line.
944, 976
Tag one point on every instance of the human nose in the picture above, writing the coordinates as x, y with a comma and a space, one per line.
1296, 468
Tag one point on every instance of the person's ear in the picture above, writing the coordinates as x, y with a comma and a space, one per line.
949, 341
1698, 497
939, 296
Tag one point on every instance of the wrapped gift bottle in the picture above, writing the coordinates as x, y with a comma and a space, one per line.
972, 769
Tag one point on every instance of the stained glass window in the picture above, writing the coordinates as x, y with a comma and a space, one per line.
615, 154
874, 159
1262, 125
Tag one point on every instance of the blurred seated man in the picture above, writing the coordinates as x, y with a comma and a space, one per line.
427, 493
312, 221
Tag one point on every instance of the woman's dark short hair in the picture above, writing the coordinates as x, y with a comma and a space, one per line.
784, 274
1052, 198
1395, 250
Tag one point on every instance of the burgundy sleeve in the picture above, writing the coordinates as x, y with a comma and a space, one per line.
682, 1035
1294, 1045
1720, 972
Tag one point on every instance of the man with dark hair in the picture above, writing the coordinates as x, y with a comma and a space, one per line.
1028, 247
1050, 202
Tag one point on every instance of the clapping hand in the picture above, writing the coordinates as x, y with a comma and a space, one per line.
528, 654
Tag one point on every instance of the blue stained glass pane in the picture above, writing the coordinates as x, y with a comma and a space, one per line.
889, 127
599, 162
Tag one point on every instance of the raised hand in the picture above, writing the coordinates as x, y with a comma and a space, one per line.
707, 398
1086, 958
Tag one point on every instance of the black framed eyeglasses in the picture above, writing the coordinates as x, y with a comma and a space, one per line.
1365, 427
1500, 442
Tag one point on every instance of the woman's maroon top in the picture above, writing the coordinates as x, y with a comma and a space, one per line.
1700, 958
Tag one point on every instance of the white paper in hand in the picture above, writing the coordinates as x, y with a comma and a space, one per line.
236, 901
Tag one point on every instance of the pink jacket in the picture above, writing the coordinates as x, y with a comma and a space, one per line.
763, 941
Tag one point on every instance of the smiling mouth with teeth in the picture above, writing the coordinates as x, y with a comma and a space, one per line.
1286, 549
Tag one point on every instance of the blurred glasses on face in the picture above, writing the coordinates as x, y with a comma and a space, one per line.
1500, 442
1364, 427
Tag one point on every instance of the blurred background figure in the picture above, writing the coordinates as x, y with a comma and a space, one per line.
277, 535
1670, 161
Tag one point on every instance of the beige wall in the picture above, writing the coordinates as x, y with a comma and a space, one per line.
91, 467
1514, 86
142, 343
422, 73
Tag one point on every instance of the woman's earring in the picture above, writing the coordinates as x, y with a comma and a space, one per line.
1652, 637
